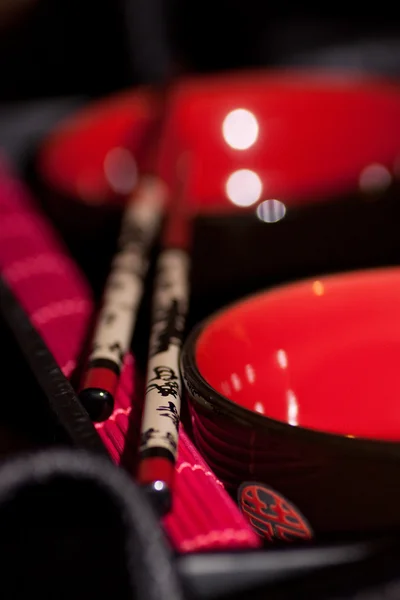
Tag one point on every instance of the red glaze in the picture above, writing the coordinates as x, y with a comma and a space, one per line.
322, 354
316, 134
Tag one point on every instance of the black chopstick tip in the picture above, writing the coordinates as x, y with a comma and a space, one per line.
159, 496
98, 403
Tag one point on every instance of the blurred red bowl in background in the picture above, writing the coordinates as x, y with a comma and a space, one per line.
290, 136
82, 156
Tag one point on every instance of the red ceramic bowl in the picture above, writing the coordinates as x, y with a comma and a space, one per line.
292, 136
298, 387
77, 158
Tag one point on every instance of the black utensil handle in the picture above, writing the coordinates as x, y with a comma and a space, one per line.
62, 402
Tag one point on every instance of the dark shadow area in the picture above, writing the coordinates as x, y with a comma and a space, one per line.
25, 421
60, 47
64, 539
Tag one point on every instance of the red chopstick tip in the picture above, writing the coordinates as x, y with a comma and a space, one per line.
157, 468
102, 378
156, 476
98, 392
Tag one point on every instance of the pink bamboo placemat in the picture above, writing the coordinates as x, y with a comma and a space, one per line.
57, 298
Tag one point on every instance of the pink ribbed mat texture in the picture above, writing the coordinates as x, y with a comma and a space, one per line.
57, 298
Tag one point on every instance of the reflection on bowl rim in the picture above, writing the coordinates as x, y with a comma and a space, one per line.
203, 394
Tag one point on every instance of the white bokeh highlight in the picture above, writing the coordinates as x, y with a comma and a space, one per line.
244, 187
240, 129
271, 211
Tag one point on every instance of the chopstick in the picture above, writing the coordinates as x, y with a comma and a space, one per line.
161, 413
124, 286
123, 292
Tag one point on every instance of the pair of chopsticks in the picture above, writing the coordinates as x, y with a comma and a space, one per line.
145, 213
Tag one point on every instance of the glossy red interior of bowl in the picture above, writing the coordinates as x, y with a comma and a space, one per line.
320, 354
290, 135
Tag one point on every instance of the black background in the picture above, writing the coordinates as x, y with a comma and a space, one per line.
61, 47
